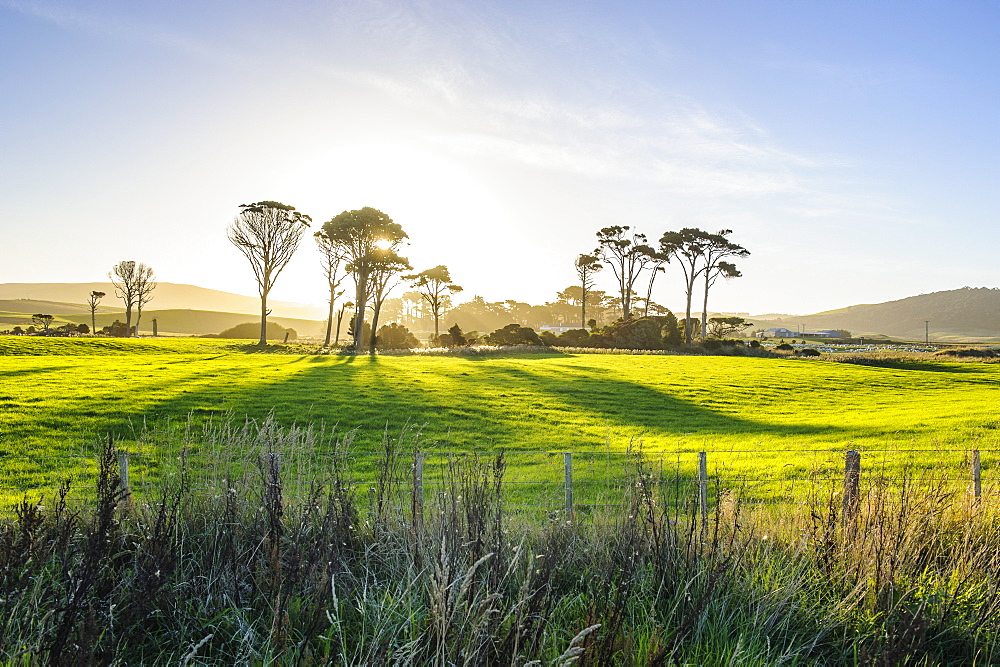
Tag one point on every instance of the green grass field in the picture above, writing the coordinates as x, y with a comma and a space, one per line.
758, 418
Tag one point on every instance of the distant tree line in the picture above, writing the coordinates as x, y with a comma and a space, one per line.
363, 245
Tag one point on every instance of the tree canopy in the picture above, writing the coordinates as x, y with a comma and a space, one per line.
267, 233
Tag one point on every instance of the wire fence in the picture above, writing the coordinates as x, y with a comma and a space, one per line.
556, 482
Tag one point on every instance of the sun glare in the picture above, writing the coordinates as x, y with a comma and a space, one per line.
383, 244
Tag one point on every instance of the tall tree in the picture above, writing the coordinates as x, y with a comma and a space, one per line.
384, 276
132, 282
365, 235
657, 260
145, 283
43, 320
267, 233
586, 266
94, 299
435, 287
717, 251
331, 257
687, 246
627, 257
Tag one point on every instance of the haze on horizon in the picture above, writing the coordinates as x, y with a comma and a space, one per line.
850, 146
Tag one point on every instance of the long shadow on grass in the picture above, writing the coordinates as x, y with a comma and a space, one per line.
632, 404
471, 406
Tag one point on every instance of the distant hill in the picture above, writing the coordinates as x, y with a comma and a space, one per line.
196, 322
969, 313
31, 306
167, 296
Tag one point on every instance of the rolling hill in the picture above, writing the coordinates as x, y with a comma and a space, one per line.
168, 296
969, 313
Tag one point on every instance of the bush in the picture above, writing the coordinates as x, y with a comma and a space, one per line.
395, 337
784, 346
576, 338
454, 338
117, 329
251, 330
755, 344
808, 352
981, 353
513, 334
658, 332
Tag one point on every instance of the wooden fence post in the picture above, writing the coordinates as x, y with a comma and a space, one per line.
568, 483
977, 475
703, 488
123, 471
852, 479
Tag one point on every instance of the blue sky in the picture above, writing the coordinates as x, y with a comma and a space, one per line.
851, 146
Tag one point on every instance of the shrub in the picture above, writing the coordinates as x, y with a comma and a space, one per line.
576, 338
808, 352
513, 334
395, 337
658, 332
784, 346
982, 353
117, 329
251, 330
454, 338
755, 344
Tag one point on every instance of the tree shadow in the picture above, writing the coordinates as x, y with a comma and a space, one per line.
484, 405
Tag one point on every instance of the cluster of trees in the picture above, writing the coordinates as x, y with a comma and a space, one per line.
703, 258
364, 244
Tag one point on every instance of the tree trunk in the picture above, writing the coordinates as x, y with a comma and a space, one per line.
93, 321
138, 316
263, 319
128, 320
689, 292
583, 310
704, 308
436, 310
375, 314
361, 299
340, 318
329, 322
649, 291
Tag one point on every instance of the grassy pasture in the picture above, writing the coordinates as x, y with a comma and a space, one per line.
759, 419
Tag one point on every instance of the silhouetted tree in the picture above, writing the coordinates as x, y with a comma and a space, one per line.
627, 258
267, 233
94, 299
717, 250
586, 266
723, 327
145, 284
331, 258
340, 318
133, 285
688, 247
364, 235
435, 287
44, 321
385, 270
657, 260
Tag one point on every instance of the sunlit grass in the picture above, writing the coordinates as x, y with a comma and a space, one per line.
759, 419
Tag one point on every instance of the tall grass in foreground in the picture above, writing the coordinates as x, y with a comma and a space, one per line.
246, 572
